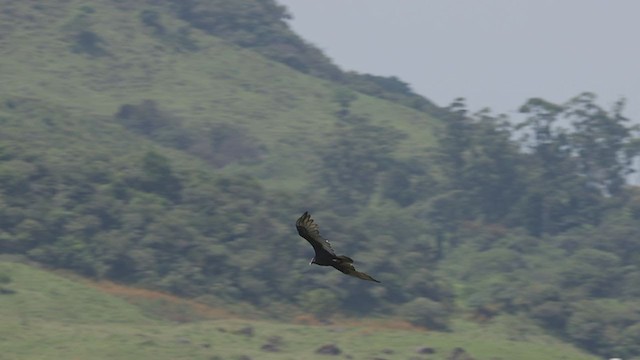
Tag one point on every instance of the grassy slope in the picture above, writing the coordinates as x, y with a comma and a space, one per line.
287, 111
54, 317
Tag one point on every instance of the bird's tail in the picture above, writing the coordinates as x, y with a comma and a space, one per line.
363, 276
345, 258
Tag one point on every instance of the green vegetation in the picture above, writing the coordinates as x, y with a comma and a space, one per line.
52, 317
159, 145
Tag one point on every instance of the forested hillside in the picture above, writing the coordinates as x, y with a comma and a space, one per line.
172, 144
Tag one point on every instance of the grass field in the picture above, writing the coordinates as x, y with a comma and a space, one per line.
50, 316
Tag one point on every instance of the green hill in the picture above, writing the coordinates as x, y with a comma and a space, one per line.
52, 317
125, 148
214, 83
170, 145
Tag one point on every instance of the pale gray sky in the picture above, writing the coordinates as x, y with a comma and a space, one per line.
495, 53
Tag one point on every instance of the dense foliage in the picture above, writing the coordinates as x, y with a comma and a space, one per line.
141, 219
534, 219
547, 227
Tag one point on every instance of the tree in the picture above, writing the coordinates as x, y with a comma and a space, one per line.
354, 161
492, 173
481, 172
149, 120
344, 97
630, 342
90, 43
158, 177
481, 163
557, 197
454, 143
604, 327
593, 271
5, 279
424, 312
323, 303
409, 181
602, 143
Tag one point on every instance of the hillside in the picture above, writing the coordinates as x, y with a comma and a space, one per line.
157, 157
210, 84
170, 145
50, 316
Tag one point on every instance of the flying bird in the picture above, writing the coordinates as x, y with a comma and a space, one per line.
325, 256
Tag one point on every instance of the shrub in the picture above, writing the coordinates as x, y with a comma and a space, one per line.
426, 313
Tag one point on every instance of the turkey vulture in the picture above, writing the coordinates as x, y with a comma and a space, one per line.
325, 256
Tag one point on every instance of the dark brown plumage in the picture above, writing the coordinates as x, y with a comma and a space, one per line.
325, 256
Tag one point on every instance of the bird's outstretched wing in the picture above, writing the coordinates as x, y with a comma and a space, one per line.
346, 267
325, 255
311, 232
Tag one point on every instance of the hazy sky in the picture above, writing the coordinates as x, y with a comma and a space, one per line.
495, 53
